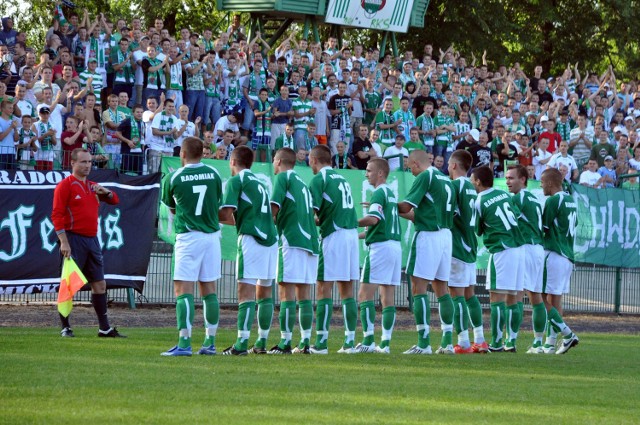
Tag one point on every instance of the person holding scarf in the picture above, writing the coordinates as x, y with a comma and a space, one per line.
154, 81
131, 132
124, 67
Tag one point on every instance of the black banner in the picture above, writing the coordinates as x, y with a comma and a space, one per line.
29, 253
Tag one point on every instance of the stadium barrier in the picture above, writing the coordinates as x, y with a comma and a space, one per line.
594, 289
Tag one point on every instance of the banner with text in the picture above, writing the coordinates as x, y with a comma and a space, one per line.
385, 15
608, 219
29, 254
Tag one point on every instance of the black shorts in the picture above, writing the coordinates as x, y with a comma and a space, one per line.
87, 254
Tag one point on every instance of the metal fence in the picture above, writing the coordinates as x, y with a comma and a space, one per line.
594, 289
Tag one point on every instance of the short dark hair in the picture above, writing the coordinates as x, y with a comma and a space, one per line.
192, 147
521, 172
322, 153
287, 156
462, 158
485, 175
243, 155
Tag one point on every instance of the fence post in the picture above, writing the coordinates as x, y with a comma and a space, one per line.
131, 299
618, 293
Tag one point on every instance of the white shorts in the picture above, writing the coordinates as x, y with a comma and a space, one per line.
256, 264
557, 274
383, 264
533, 266
506, 270
296, 265
339, 257
430, 255
198, 257
463, 275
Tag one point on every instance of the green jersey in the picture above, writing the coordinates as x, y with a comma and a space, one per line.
333, 202
302, 107
195, 193
384, 207
249, 197
497, 222
465, 243
372, 101
530, 218
559, 219
387, 135
295, 221
412, 146
284, 141
433, 200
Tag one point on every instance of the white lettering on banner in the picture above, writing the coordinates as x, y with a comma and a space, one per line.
632, 240
615, 227
19, 221
33, 177
390, 15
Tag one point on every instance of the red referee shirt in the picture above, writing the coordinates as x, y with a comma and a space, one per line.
75, 207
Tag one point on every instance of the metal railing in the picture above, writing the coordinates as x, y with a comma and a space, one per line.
594, 289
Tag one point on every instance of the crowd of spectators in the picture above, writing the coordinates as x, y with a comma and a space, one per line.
131, 95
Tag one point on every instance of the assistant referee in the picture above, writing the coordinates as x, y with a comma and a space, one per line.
76, 201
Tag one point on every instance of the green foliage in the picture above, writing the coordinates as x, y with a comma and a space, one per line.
47, 379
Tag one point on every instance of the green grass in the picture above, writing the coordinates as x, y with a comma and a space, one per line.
47, 379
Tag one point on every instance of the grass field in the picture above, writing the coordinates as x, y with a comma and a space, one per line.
47, 379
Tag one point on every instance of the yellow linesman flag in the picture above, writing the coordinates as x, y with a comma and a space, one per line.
71, 281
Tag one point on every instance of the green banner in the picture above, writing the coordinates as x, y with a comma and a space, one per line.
608, 221
608, 231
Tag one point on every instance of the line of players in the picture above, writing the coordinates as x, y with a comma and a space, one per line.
278, 239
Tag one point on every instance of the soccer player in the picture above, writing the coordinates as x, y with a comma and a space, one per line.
559, 221
432, 200
466, 306
498, 226
246, 203
383, 263
530, 224
298, 251
194, 194
338, 261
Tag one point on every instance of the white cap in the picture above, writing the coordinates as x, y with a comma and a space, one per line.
475, 134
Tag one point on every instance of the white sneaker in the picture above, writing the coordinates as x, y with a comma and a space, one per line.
445, 350
383, 350
314, 350
361, 348
417, 350
535, 350
567, 344
549, 349
347, 350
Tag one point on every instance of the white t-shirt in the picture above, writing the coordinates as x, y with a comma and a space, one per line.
159, 143
557, 159
541, 156
634, 164
224, 124
589, 177
320, 117
190, 131
394, 163
138, 56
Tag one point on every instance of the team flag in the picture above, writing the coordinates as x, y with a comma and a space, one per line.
71, 281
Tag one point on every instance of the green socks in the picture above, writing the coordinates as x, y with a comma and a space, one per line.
265, 315
539, 320
367, 318
211, 310
514, 319
305, 318
558, 324
445, 308
324, 309
475, 316
497, 323
246, 314
185, 310
287, 319
350, 313
388, 322
422, 315
461, 321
